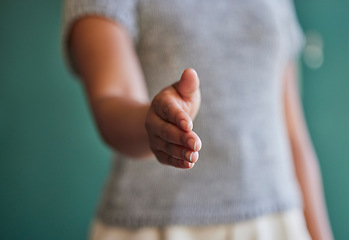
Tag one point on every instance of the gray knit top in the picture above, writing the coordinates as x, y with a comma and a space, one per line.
240, 50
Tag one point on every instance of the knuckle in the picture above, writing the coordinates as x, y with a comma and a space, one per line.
181, 164
166, 110
183, 153
183, 139
164, 131
168, 148
179, 116
176, 163
157, 100
184, 164
169, 160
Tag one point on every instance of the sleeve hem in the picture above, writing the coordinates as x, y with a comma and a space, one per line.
109, 11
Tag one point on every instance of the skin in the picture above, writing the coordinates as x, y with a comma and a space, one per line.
133, 125
305, 160
115, 88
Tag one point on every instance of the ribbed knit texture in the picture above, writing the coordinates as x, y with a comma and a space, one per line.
240, 50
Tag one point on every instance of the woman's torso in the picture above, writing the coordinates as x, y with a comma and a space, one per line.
240, 50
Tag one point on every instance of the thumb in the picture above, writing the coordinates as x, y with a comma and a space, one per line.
188, 84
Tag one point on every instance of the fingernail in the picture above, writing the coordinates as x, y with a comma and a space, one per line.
193, 70
188, 155
194, 157
192, 144
190, 125
198, 146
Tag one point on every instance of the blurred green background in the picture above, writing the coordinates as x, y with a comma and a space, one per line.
53, 163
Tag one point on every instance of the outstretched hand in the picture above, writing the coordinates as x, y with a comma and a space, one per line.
169, 122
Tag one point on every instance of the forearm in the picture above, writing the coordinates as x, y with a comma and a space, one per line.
114, 84
121, 123
305, 161
107, 63
309, 177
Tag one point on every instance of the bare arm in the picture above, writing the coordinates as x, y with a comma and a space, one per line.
127, 121
305, 160
113, 82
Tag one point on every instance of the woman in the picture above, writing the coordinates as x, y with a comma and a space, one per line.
249, 126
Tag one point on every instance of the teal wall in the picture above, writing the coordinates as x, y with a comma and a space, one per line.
325, 99
52, 162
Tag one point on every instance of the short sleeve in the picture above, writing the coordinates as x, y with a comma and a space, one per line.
296, 38
124, 12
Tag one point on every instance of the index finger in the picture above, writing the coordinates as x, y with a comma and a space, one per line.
169, 110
